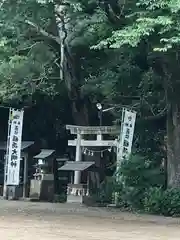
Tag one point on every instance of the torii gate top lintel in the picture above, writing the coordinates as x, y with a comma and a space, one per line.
93, 129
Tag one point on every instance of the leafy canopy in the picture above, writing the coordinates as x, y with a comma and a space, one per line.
157, 20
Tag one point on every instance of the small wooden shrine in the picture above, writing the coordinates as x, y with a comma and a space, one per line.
79, 192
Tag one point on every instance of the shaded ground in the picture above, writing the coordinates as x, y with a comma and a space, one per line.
46, 221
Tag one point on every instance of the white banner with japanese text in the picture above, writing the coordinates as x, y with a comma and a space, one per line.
14, 146
127, 132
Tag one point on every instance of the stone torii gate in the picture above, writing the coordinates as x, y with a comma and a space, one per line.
79, 142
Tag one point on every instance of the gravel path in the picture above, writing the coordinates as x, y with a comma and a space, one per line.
46, 221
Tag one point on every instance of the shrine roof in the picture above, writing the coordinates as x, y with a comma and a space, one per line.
93, 129
77, 166
45, 153
24, 145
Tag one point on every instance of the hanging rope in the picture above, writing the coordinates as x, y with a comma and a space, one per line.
91, 152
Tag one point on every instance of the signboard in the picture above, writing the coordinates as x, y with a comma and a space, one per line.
14, 146
127, 132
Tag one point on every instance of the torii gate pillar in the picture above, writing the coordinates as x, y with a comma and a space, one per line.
77, 174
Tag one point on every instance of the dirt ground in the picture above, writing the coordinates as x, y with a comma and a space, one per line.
46, 221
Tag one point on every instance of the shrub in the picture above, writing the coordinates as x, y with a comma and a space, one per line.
133, 197
139, 174
166, 202
153, 200
140, 187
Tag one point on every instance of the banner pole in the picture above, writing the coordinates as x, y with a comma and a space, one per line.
6, 155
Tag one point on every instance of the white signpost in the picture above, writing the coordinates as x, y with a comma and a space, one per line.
14, 146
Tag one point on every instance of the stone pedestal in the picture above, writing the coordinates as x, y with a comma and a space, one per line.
42, 189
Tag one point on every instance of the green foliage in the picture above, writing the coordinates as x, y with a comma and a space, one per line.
26, 61
143, 188
138, 174
162, 202
157, 19
87, 28
110, 76
153, 200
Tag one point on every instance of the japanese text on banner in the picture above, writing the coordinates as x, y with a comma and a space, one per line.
125, 143
14, 148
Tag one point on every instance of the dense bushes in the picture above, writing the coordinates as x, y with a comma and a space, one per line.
162, 202
142, 187
138, 175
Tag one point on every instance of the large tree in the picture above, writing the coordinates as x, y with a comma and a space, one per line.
155, 25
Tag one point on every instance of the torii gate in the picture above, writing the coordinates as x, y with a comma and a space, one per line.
79, 142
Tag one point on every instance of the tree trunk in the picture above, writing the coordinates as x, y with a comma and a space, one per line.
173, 145
69, 74
80, 113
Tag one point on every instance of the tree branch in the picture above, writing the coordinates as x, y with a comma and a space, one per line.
43, 32
157, 116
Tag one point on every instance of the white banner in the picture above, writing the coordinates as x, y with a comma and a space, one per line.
127, 132
14, 146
